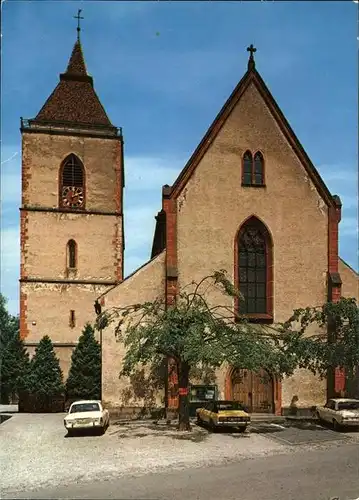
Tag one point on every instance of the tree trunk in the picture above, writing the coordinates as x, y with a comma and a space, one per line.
183, 382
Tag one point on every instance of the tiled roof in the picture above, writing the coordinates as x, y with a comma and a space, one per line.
74, 98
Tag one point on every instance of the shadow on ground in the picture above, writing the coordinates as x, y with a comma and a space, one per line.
141, 429
3, 418
291, 432
91, 431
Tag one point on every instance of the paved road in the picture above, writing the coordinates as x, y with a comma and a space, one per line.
307, 475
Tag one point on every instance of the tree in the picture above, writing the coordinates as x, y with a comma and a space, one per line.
45, 375
195, 333
84, 380
9, 324
9, 334
334, 343
14, 368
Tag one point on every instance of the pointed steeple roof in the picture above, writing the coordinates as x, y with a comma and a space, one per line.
74, 99
76, 65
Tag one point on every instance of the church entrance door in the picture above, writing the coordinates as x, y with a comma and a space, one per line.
253, 390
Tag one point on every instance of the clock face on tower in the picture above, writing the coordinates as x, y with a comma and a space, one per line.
72, 197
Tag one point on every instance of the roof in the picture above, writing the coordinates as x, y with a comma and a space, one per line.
251, 76
350, 267
74, 98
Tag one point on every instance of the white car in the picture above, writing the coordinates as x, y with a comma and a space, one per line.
340, 412
86, 415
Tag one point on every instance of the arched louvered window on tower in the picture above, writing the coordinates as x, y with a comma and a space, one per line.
72, 183
71, 254
255, 269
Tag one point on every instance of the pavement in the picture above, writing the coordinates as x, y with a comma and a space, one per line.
36, 454
318, 475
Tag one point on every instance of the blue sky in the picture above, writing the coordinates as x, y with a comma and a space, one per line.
163, 70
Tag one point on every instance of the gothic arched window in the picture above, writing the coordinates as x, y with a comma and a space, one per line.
253, 169
247, 168
258, 174
254, 273
72, 183
71, 254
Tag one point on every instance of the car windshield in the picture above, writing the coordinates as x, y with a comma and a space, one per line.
82, 407
349, 405
228, 405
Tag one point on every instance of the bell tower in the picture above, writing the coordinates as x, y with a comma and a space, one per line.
71, 211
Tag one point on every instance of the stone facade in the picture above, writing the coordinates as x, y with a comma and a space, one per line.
204, 209
196, 233
55, 298
145, 285
350, 286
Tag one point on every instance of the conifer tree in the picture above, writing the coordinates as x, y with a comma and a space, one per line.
84, 380
45, 376
14, 368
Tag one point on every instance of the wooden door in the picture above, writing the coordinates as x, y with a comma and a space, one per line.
253, 390
262, 390
242, 387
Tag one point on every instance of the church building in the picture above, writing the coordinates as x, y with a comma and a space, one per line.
249, 200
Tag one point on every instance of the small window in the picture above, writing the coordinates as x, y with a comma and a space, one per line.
72, 319
71, 254
253, 169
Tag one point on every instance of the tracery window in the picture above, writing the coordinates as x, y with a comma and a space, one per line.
254, 268
253, 169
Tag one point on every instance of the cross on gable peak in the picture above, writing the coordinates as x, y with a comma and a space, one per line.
251, 62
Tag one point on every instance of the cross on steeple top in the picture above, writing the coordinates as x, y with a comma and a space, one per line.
251, 62
78, 17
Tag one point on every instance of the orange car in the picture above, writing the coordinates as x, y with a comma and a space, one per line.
223, 414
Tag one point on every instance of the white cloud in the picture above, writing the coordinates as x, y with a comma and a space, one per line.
139, 227
145, 174
348, 227
10, 249
10, 175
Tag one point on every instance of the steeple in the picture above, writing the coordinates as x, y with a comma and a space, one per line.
76, 65
74, 99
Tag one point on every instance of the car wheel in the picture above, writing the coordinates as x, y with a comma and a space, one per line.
199, 420
318, 416
242, 429
336, 425
70, 433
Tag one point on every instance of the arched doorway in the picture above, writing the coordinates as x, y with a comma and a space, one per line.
253, 389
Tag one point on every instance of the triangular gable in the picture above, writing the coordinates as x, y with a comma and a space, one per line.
251, 75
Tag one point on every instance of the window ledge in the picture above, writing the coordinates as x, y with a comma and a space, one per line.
254, 185
259, 318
